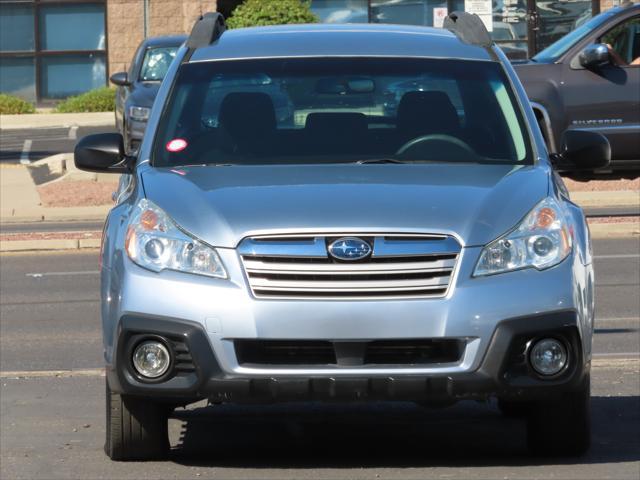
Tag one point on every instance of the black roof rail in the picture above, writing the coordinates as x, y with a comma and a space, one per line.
207, 29
469, 28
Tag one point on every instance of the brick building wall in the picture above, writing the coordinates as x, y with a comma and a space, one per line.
125, 24
607, 4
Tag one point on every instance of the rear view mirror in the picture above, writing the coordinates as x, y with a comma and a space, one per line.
360, 85
594, 56
102, 152
121, 79
582, 150
345, 86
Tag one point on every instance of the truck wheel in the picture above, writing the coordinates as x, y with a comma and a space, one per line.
513, 409
562, 426
137, 429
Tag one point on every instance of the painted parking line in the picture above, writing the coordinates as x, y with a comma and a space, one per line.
629, 255
73, 133
26, 149
617, 319
61, 274
618, 355
86, 372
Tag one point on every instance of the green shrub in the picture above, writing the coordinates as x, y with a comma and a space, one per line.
98, 100
12, 105
254, 13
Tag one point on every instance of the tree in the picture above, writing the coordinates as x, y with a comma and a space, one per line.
254, 13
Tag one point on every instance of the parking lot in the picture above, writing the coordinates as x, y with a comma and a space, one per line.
52, 401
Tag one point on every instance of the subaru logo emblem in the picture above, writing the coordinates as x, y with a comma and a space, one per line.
349, 248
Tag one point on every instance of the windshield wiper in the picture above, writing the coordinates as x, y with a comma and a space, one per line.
381, 160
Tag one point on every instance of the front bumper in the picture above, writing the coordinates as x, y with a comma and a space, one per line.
135, 134
495, 317
503, 371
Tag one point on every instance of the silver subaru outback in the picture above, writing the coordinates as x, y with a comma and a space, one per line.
422, 250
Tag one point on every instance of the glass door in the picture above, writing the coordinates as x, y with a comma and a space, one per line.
554, 19
511, 27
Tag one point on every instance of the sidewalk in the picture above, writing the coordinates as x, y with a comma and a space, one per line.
56, 120
20, 201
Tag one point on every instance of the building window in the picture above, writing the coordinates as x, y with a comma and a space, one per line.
341, 11
64, 75
16, 28
52, 50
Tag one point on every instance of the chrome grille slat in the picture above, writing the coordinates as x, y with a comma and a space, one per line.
348, 289
253, 266
336, 285
300, 267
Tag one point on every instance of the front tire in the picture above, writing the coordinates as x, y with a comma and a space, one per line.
137, 429
561, 426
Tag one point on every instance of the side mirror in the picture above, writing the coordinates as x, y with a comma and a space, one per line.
121, 79
594, 56
102, 152
582, 150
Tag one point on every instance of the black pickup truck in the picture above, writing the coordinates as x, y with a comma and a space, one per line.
590, 80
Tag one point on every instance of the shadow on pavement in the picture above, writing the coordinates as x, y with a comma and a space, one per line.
387, 435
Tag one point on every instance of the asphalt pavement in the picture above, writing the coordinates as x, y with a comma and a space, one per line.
52, 423
29, 145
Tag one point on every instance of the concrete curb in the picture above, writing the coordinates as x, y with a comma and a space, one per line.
615, 230
606, 198
56, 120
49, 244
58, 216
54, 214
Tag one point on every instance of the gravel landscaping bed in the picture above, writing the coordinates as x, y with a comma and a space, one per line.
597, 185
83, 193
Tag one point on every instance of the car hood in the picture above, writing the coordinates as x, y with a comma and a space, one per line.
223, 204
144, 94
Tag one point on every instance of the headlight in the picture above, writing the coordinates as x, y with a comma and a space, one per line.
542, 240
154, 242
139, 114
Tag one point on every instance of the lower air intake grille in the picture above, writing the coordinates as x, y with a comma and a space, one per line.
379, 352
280, 352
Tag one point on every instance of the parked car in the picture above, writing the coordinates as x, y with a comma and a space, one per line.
351, 255
578, 84
137, 88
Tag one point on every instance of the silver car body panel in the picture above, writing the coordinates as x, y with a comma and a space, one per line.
224, 206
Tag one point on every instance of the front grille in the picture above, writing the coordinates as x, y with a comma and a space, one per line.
300, 267
331, 354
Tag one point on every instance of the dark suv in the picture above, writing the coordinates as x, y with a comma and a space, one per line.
138, 87
590, 80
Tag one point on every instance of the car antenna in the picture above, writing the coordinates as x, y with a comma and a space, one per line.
469, 28
207, 29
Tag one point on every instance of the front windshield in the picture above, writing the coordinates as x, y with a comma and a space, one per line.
554, 51
156, 63
334, 110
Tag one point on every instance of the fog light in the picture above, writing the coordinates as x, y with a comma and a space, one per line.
548, 356
151, 359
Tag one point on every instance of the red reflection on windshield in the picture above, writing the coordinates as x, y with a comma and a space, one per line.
176, 145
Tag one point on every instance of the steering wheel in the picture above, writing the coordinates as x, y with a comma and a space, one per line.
436, 147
